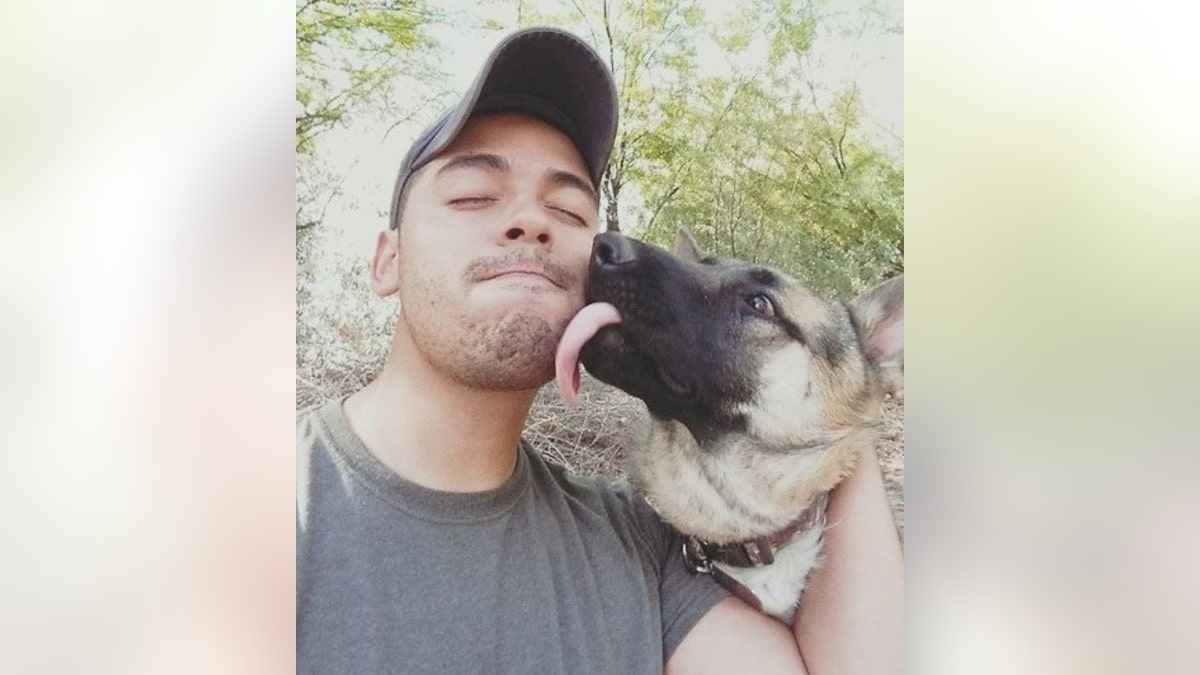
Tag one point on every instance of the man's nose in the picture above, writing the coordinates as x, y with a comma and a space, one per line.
529, 222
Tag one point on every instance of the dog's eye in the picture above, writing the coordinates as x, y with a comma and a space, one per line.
761, 304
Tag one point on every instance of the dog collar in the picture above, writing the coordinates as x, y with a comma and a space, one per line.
699, 556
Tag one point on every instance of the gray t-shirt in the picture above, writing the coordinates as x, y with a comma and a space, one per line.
548, 573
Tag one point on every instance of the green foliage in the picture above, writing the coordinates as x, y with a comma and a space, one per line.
750, 158
348, 52
757, 174
353, 57
771, 182
650, 47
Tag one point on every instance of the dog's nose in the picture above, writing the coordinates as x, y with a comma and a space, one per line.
611, 249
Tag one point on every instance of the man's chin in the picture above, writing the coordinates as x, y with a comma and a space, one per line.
500, 339
515, 352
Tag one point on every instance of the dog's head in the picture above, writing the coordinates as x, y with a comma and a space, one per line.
730, 348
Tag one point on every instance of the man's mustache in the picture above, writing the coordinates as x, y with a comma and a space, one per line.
538, 262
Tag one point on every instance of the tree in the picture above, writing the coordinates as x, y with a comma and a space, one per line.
747, 153
349, 53
794, 187
353, 56
650, 48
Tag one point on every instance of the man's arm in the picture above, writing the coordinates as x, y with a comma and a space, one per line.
851, 616
733, 638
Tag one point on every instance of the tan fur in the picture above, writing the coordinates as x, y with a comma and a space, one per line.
809, 420
696, 490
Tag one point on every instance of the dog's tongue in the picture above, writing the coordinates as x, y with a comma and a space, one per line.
583, 326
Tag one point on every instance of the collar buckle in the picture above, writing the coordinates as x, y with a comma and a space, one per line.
695, 558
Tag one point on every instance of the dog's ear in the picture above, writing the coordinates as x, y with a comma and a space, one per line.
686, 246
879, 320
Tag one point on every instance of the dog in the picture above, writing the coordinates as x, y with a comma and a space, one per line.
759, 395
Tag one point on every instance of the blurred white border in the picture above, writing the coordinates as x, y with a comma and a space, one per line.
146, 155
1051, 154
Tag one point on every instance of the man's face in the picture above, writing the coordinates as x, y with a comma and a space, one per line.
492, 251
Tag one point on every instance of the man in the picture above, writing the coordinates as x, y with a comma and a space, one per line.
430, 538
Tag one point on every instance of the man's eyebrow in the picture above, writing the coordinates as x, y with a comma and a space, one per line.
560, 178
479, 160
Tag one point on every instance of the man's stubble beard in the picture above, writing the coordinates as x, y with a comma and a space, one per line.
514, 353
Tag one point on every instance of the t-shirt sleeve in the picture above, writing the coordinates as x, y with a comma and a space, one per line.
684, 597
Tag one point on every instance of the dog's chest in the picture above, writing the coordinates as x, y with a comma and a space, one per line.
730, 497
726, 497
778, 586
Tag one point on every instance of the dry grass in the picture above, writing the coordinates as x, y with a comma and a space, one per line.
587, 438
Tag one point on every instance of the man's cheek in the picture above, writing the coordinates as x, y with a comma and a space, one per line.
579, 252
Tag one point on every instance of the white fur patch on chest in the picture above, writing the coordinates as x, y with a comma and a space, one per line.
779, 585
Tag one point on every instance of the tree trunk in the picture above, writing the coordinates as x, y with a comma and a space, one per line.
611, 218
612, 190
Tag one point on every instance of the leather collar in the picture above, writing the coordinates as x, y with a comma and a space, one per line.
699, 556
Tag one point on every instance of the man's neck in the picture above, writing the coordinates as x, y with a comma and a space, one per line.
437, 432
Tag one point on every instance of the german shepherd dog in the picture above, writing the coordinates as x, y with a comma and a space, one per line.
760, 395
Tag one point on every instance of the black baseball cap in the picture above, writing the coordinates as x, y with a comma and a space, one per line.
544, 72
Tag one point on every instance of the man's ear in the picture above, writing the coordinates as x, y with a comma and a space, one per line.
879, 320
686, 246
385, 267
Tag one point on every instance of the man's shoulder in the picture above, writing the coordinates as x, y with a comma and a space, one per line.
314, 441
321, 423
312, 429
